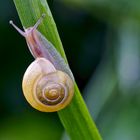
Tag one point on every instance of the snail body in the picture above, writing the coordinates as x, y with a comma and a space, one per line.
48, 83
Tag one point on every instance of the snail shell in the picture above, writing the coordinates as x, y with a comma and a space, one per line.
46, 88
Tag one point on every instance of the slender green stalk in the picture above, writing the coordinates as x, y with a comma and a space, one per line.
108, 9
75, 118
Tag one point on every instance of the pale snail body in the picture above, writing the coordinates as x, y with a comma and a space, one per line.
48, 82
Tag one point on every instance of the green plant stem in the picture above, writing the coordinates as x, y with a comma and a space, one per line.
75, 118
107, 10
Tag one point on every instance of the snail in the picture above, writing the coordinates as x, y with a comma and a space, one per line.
48, 83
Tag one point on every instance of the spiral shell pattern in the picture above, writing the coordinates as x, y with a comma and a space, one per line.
47, 90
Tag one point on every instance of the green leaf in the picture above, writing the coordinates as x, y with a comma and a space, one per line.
75, 118
110, 11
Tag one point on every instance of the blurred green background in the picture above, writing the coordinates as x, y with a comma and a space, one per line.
102, 43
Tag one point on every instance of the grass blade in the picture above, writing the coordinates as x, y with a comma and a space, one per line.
75, 118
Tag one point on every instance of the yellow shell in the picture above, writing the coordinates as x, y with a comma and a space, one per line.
46, 88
